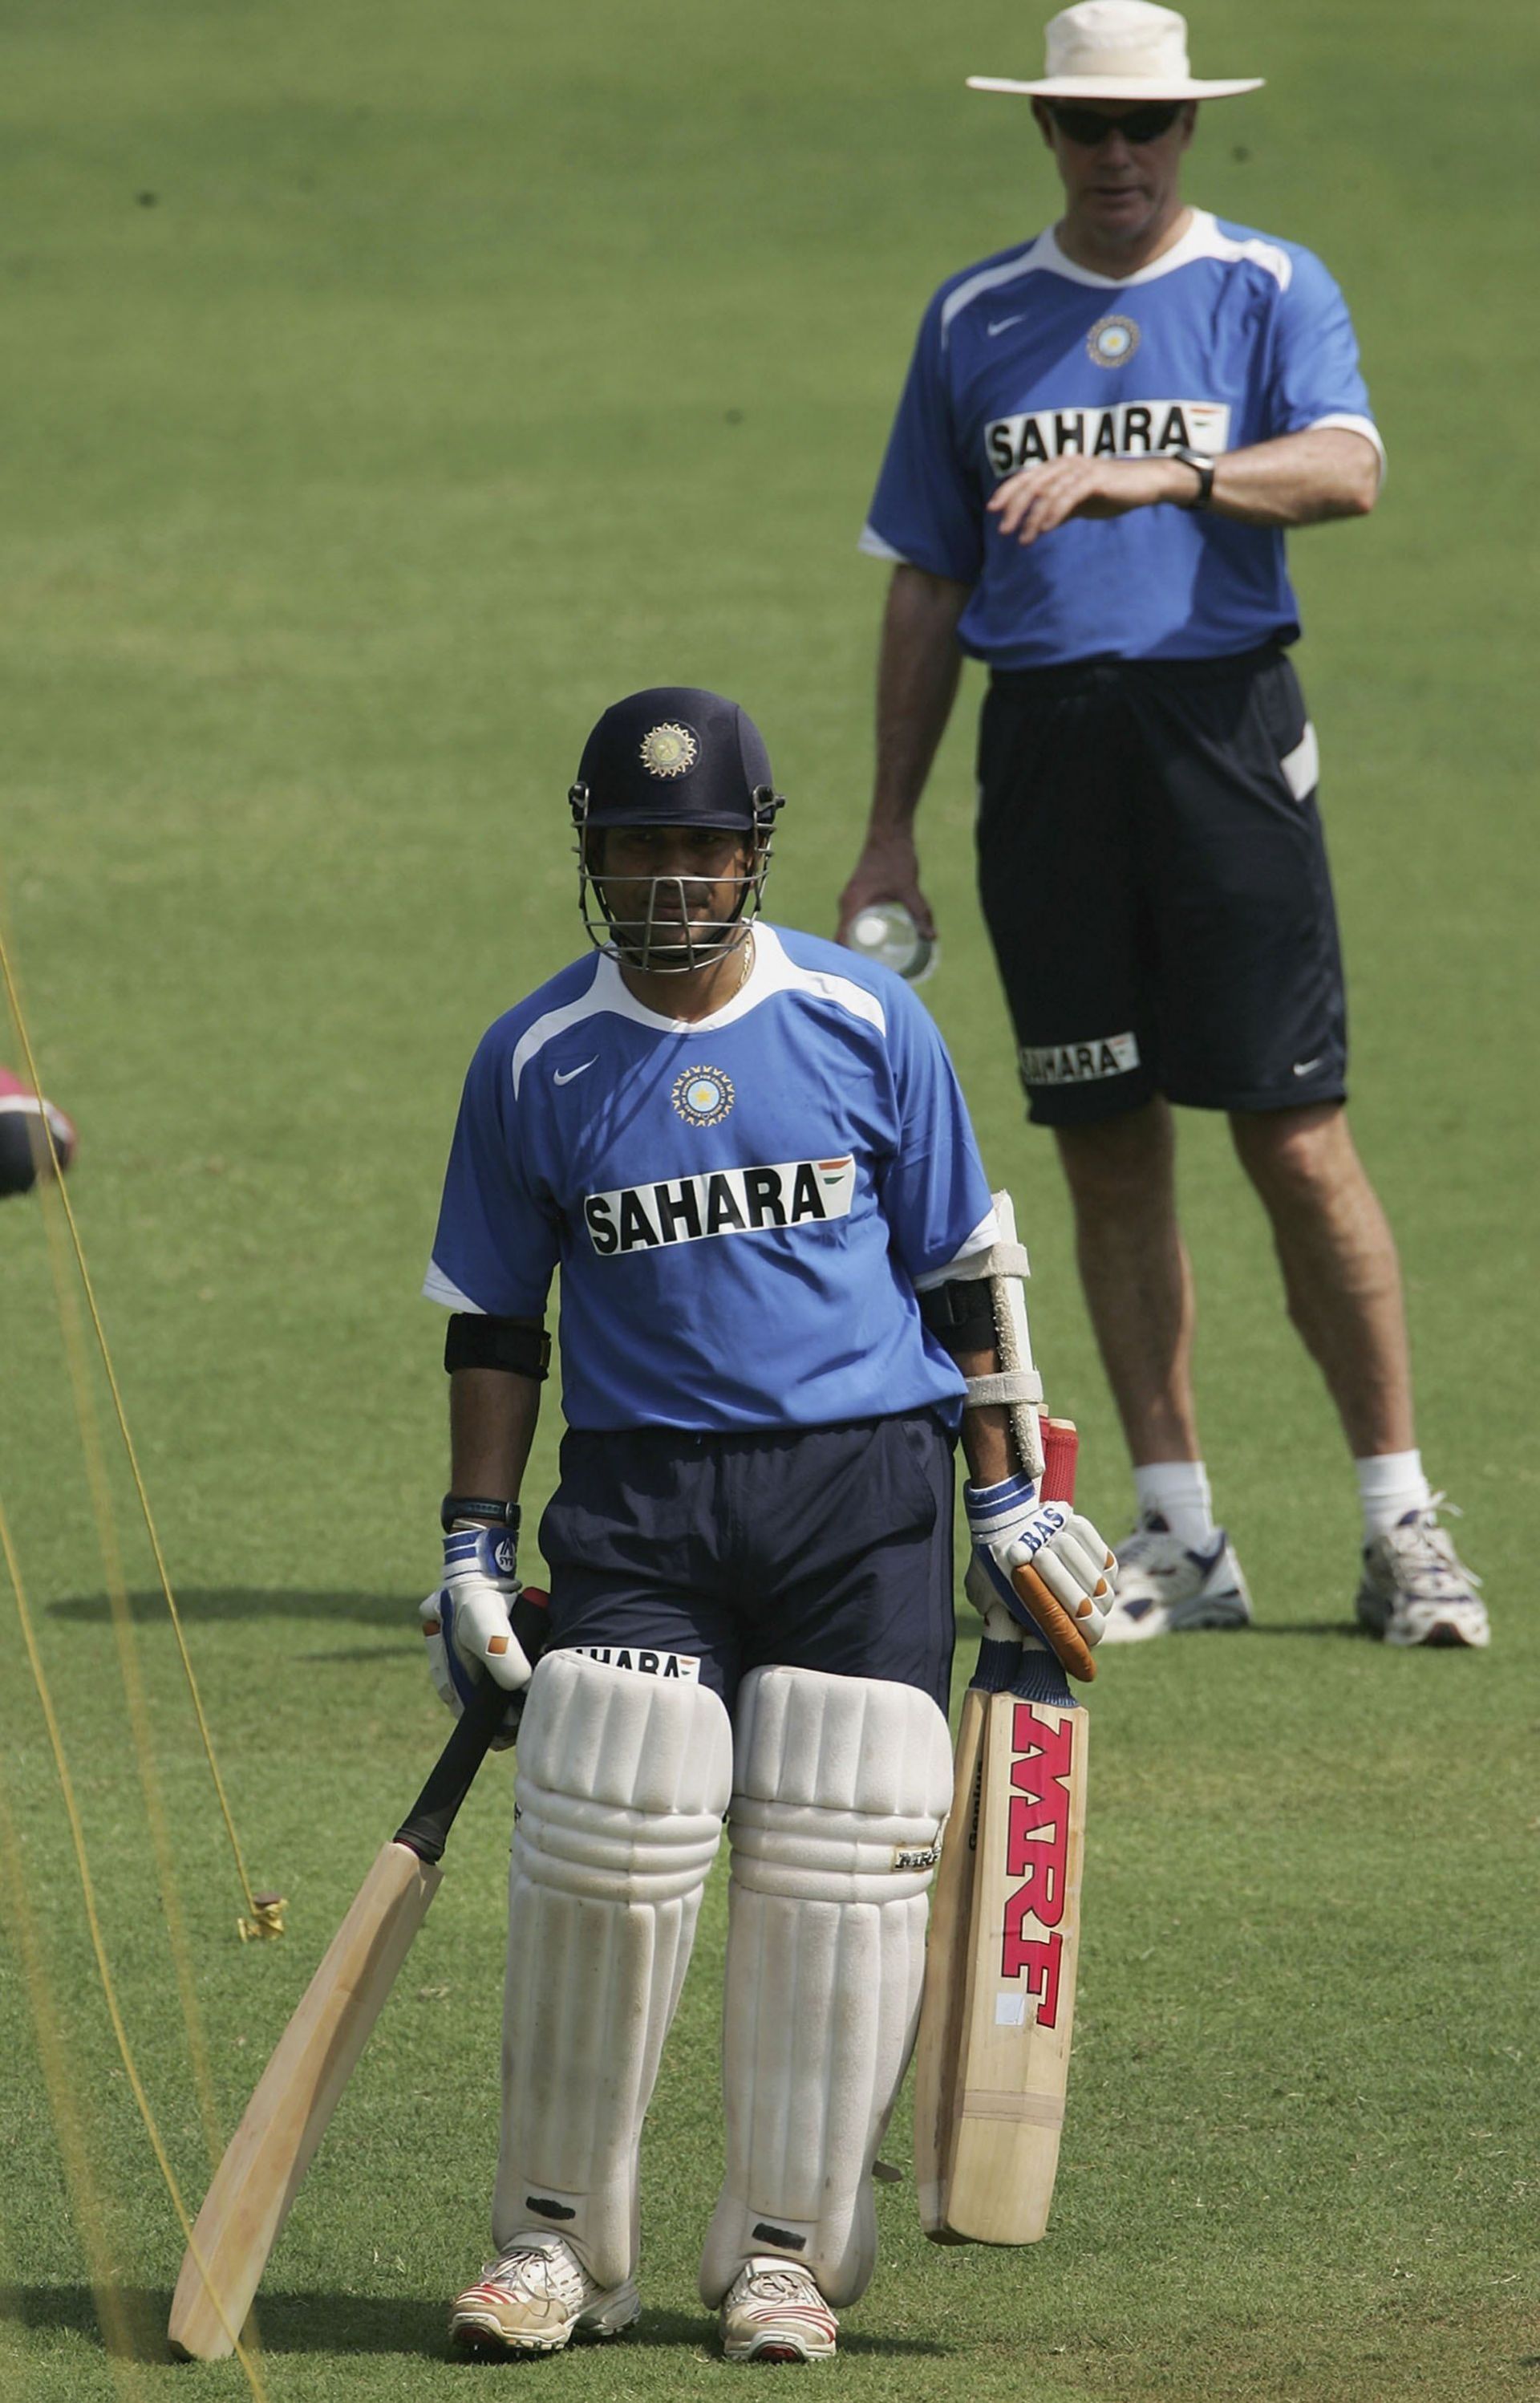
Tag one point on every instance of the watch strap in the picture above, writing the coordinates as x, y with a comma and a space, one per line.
1203, 467
492, 1511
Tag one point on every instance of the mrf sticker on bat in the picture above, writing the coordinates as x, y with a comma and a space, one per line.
1037, 1847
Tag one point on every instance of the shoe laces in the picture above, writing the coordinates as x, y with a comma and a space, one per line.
783, 2286
1426, 1550
541, 2272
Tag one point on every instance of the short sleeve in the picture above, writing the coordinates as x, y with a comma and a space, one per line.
1315, 378
927, 509
935, 1193
496, 1246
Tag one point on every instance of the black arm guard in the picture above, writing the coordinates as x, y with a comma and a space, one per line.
961, 1314
472, 1341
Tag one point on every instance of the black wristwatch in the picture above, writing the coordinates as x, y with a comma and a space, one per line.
475, 1506
1202, 465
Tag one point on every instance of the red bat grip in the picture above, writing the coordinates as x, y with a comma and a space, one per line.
425, 1829
1060, 1451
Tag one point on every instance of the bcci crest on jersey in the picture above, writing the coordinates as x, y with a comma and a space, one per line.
725, 1202
1125, 429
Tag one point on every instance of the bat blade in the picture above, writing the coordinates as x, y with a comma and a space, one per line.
940, 2038
992, 2057
256, 2181
1012, 2066
287, 2116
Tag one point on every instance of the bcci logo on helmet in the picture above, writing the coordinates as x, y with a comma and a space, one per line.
669, 751
704, 1096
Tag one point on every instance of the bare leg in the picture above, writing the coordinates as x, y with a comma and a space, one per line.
1137, 1279
1340, 1271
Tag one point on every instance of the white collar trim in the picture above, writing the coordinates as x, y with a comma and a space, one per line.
1201, 239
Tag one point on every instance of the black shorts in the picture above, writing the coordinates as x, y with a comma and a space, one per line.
1154, 876
706, 1556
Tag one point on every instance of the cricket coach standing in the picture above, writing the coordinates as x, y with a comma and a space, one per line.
1104, 437
749, 1155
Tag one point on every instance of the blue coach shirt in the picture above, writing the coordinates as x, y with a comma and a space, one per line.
1228, 338
738, 1207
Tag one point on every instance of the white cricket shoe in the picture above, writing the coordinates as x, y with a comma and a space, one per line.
1415, 1588
1163, 1588
773, 2311
535, 2298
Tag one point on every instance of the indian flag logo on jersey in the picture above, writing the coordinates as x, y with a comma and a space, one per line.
704, 1096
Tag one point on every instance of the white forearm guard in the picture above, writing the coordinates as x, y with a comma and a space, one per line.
1003, 1267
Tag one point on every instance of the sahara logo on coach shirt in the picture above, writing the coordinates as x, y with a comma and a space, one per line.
725, 1202
1078, 1064
1125, 429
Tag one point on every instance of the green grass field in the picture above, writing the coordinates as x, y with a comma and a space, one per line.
387, 389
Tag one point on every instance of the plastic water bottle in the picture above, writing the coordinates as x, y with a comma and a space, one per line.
887, 931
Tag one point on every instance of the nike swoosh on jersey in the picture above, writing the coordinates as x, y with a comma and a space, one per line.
565, 1075
998, 324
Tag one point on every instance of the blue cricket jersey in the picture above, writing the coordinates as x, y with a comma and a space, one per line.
1229, 337
738, 1207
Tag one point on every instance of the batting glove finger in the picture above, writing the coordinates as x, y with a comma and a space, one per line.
480, 1638
1078, 1569
453, 1680
433, 1630
1036, 1602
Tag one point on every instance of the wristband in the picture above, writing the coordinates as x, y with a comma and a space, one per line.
472, 1506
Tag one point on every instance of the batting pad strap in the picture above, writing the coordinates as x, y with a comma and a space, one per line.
1009, 1386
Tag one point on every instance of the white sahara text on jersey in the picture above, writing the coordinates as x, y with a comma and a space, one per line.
1125, 429
720, 1201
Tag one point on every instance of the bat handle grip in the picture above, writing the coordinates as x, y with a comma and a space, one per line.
425, 1829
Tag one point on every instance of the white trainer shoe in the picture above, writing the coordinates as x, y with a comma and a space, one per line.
1163, 1588
1415, 1588
773, 2311
535, 2298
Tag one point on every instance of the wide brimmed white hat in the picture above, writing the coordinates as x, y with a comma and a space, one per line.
1117, 49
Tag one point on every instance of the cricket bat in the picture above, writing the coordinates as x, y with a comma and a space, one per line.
992, 2059
256, 2181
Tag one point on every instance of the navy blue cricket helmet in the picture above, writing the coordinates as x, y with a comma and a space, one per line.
674, 756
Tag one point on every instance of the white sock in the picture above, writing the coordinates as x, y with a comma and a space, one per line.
1389, 1485
1179, 1491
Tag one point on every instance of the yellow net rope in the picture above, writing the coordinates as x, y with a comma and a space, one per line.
263, 1915
109, 1992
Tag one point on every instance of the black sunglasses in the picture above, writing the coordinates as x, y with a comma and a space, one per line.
1088, 126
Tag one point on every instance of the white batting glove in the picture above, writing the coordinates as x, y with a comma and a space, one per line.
467, 1622
1048, 1565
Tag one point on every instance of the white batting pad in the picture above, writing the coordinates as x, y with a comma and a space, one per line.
840, 1793
623, 1779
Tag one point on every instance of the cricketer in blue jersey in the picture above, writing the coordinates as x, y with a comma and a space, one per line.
1106, 432
747, 1160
